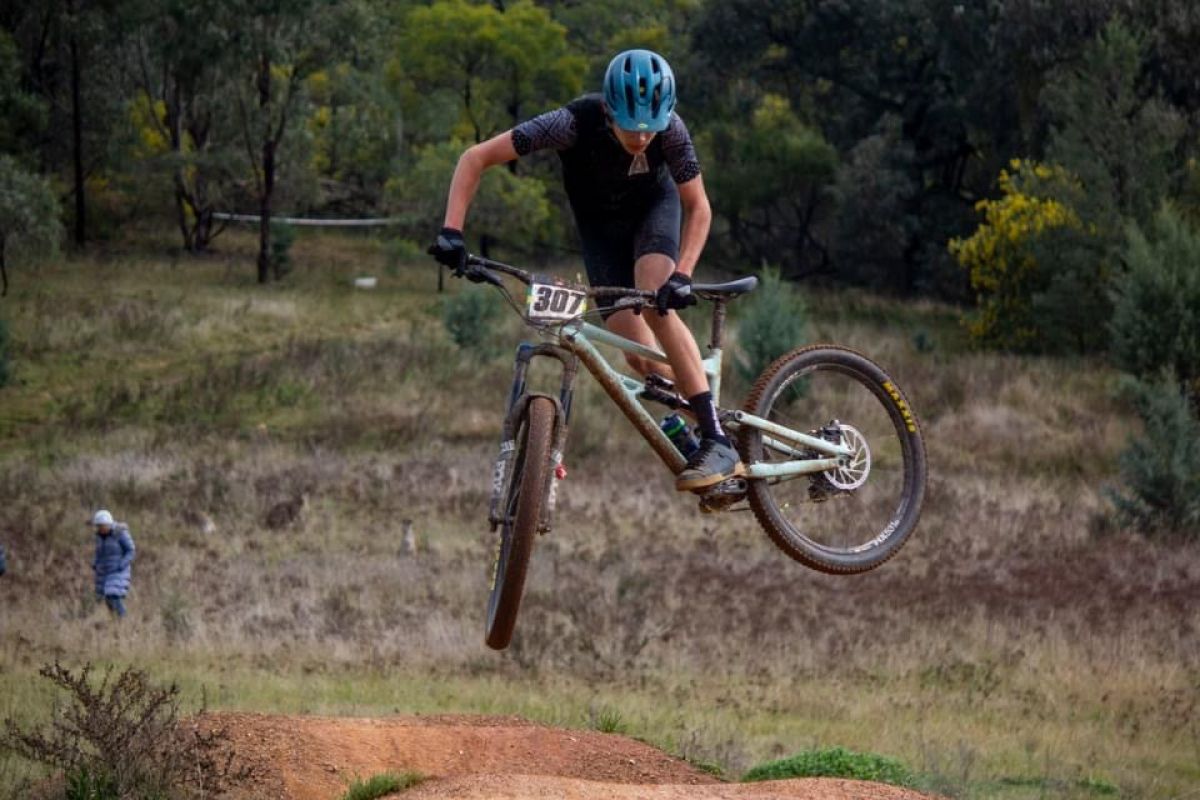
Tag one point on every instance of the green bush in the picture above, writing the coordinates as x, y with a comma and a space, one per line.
773, 321
1160, 470
471, 317
381, 785
1156, 317
834, 762
283, 236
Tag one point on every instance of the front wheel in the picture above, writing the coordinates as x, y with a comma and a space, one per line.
524, 502
853, 518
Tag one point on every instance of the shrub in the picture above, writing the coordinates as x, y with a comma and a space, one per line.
1037, 270
122, 738
381, 785
470, 316
1161, 469
283, 236
1156, 315
834, 762
772, 322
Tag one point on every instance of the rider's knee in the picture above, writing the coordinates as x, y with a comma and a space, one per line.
638, 364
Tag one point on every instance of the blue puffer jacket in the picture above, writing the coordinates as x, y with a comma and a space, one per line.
114, 555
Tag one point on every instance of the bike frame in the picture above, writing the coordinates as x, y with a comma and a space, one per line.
580, 337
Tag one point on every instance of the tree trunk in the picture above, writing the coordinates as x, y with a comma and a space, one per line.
268, 171
77, 130
264, 210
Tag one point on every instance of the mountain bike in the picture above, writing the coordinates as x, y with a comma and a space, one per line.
835, 463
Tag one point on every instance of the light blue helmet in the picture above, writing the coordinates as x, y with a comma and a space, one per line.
639, 90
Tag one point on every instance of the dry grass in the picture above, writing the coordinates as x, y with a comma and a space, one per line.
1007, 642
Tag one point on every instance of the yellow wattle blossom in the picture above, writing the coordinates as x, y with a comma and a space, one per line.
999, 254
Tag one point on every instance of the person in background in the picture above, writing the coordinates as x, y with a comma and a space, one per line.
113, 562
3, 563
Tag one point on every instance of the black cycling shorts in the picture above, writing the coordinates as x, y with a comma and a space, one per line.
612, 244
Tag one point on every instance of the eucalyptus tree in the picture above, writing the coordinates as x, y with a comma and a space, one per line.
176, 54
499, 66
275, 45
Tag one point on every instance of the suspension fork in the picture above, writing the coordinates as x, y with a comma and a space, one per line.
517, 400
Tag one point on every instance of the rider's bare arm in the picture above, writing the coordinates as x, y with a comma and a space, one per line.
697, 218
471, 164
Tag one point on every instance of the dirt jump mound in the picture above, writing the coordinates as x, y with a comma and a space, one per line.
315, 758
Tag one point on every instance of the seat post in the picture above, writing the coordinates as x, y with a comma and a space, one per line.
718, 324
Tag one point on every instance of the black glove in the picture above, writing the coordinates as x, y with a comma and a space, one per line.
675, 293
449, 249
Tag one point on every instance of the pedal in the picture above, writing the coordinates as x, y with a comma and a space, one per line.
723, 495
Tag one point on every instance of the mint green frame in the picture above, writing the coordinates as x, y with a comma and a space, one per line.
579, 337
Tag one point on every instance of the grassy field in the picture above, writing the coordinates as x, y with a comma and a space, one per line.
1019, 647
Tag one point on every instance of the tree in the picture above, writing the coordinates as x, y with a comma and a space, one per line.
70, 66
769, 187
1117, 136
175, 56
1009, 269
1156, 316
29, 216
861, 69
22, 115
278, 45
508, 209
500, 65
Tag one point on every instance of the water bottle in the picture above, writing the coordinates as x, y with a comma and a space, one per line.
677, 431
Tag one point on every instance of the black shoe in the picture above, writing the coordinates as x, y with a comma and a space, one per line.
708, 466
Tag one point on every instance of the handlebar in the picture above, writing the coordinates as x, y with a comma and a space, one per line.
486, 269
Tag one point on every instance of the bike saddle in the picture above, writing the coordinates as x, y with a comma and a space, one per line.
727, 289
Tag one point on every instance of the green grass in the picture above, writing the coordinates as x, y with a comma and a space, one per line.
983, 656
381, 785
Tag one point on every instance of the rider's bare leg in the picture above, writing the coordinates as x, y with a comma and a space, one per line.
650, 272
633, 326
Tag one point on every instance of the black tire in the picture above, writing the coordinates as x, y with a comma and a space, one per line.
523, 505
827, 528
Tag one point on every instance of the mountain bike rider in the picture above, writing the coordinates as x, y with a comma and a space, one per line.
630, 172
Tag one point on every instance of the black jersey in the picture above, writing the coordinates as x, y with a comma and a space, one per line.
601, 177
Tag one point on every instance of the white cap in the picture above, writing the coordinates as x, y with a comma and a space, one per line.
102, 517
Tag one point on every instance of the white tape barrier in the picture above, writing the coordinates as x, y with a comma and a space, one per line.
319, 223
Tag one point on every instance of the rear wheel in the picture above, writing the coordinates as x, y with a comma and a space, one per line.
524, 502
857, 516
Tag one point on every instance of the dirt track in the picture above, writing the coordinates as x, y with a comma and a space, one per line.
314, 758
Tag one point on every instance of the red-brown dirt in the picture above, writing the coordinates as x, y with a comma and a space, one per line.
315, 758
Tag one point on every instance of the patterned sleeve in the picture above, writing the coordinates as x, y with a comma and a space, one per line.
554, 129
679, 151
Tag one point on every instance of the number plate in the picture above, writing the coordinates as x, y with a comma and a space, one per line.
547, 302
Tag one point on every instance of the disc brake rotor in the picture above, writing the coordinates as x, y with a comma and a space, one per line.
854, 468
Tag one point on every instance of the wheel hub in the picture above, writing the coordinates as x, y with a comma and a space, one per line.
852, 469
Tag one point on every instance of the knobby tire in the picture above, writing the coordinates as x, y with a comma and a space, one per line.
523, 506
